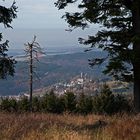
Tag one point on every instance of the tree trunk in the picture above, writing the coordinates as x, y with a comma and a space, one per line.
31, 76
136, 48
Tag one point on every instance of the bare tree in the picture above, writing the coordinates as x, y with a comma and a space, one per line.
32, 50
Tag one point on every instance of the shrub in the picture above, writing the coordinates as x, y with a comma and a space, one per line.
69, 100
24, 104
104, 103
84, 104
122, 104
51, 103
5, 105
36, 104
60, 105
9, 105
107, 103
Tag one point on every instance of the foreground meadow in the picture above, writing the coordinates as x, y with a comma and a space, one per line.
35, 126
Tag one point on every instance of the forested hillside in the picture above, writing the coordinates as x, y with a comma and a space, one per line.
50, 70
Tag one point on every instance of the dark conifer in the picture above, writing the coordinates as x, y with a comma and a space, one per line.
6, 63
119, 35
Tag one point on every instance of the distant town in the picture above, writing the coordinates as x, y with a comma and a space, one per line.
79, 84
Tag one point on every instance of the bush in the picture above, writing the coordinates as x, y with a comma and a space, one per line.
69, 100
36, 104
24, 104
51, 103
60, 105
107, 103
84, 104
8, 104
122, 104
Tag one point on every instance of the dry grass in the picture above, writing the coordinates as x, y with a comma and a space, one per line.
37, 126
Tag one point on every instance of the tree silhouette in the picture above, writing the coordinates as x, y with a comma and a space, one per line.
32, 50
119, 35
6, 63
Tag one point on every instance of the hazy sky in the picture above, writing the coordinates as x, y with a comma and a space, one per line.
41, 18
38, 14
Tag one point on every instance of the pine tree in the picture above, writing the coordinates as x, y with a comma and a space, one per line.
119, 35
84, 104
105, 101
6, 63
69, 101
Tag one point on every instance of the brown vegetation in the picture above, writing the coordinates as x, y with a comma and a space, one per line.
35, 126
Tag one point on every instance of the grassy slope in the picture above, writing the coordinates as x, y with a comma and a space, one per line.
68, 127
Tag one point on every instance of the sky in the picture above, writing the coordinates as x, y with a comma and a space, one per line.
38, 14
43, 19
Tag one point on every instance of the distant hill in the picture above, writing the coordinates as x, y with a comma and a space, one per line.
52, 69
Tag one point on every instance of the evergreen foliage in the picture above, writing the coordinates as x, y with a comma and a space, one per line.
9, 105
104, 103
24, 104
84, 104
36, 104
69, 101
107, 103
5, 104
115, 33
51, 103
119, 35
6, 63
